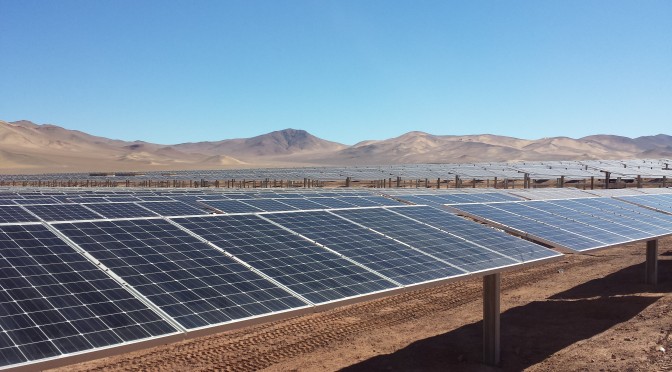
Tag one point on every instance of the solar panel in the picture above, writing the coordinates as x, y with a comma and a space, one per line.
661, 202
589, 230
611, 225
120, 210
54, 302
194, 283
36, 201
621, 213
303, 204
231, 206
511, 246
452, 249
311, 271
268, 205
172, 208
376, 252
63, 212
524, 225
14, 214
332, 202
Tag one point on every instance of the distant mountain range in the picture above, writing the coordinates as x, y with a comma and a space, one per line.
26, 147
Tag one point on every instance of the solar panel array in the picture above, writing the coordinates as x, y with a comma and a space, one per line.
94, 270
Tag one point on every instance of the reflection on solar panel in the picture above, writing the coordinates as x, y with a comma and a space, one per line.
14, 213
511, 246
311, 271
456, 251
192, 282
384, 255
172, 208
231, 206
63, 212
55, 302
121, 210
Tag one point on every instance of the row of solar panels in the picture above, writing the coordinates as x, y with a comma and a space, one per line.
580, 224
95, 211
73, 287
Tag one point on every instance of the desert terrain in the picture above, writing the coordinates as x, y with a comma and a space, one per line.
29, 148
586, 312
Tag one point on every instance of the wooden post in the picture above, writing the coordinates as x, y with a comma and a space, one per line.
592, 182
457, 181
664, 181
639, 182
491, 335
438, 183
651, 262
495, 182
607, 176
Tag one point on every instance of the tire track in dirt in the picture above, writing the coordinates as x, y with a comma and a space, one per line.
261, 346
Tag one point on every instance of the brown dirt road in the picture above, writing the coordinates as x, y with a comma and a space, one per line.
586, 312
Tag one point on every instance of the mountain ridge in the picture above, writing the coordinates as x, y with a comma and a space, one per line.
28, 147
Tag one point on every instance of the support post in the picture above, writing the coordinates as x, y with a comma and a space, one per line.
607, 176
639, 182
592, 182
491, 336
652, 262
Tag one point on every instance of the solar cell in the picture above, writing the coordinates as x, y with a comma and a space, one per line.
194, 283
376, 252
120, 210
311, 271
452, 249
55, 302
511, 246
63, 212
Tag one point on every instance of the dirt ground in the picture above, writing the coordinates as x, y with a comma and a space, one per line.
587, 312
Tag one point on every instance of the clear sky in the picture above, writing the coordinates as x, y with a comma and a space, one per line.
178, 71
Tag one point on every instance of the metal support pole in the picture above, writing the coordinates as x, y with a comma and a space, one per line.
652, 262
491, 336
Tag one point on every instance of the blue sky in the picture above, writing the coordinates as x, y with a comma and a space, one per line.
179, 71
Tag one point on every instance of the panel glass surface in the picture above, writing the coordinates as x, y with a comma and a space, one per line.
381, 254
63, 212
523, 224
172, 208
511, 246
194, 283
14, 213
231, 206
268, 205
55, 302
120, 210
452, 249
311, 271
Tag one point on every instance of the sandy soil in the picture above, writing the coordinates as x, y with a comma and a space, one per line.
584, 313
